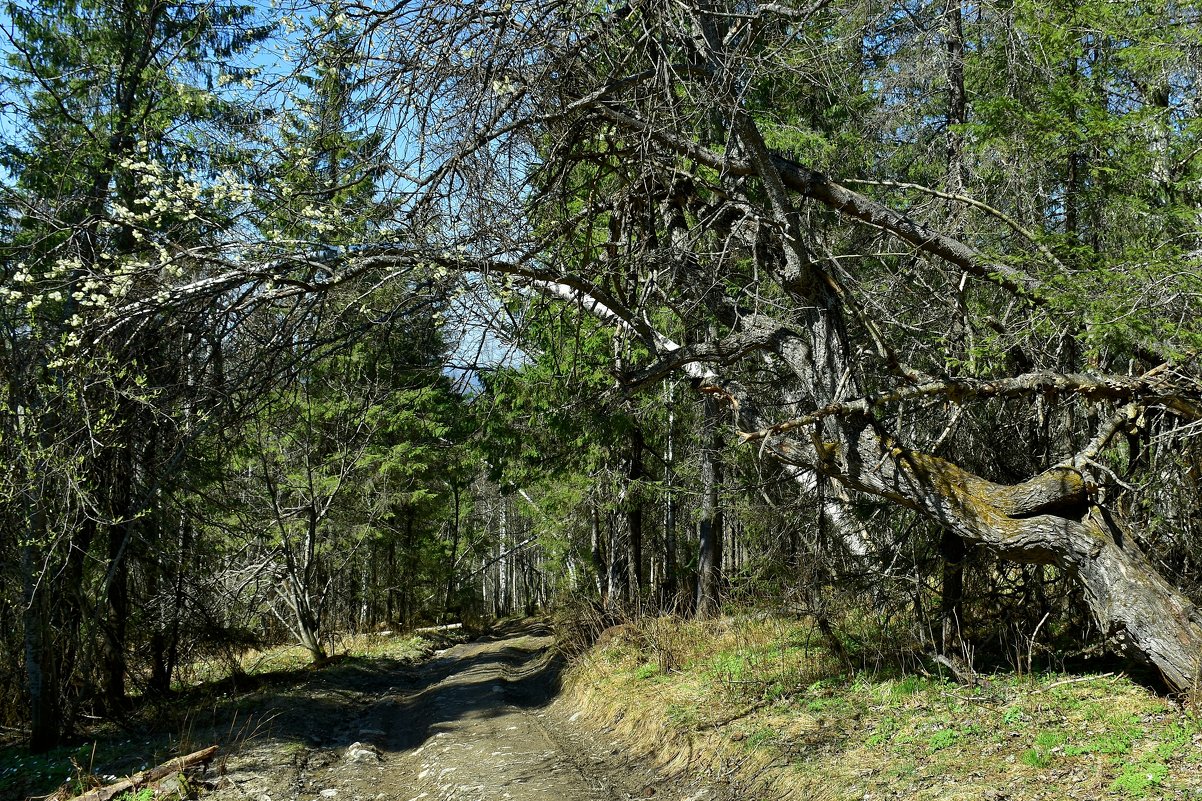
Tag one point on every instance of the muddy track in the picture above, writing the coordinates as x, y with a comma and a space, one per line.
475, 723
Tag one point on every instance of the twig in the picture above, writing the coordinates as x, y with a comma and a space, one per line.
1031, 642
1077, 680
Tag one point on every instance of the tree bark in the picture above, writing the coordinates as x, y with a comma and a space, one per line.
41, 678
709, 524
454, 555
116, 617
617, 580
952, 549
670, 575
634, 510
951, 604
597, 552
1050, 520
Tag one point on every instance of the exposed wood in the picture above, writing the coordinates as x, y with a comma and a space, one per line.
148, 777
962, 673
437, 629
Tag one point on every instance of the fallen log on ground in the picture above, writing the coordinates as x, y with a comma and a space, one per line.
148, 777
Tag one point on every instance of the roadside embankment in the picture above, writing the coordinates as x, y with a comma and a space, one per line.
763, 705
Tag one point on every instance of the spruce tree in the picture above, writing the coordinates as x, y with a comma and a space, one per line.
116, 157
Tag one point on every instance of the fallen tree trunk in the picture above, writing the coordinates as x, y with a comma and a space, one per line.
149, 777
1049, 519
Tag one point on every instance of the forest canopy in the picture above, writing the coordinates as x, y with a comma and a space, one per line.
844, 306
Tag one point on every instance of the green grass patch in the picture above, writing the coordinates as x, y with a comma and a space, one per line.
760, 737
880, 732
647, 670
1135, 779
944, 738
1117, 739
145, 794
886, 728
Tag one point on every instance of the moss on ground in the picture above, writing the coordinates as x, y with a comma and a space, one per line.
763, 702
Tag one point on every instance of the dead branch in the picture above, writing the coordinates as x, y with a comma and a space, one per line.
148, 777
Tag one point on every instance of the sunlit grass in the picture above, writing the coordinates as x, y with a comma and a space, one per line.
769, 696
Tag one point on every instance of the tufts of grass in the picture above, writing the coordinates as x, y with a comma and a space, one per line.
1117, 738
761, 737
1042, 753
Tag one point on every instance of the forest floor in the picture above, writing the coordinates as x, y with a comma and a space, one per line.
751, 707
766, 707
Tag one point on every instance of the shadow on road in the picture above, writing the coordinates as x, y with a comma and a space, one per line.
394, 705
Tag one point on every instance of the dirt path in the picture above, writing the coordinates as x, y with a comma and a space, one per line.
473, 724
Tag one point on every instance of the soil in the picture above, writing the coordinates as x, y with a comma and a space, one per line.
478, 722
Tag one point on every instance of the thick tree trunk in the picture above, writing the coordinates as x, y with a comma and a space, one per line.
951, 604
1050, 520
634, 510
41, 678
1047, 519
709, 524
952, 548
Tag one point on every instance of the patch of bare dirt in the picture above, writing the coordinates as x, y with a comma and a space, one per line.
475, 723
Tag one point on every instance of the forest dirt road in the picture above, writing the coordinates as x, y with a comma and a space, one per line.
475, 723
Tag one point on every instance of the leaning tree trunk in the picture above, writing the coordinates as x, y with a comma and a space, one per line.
1047, 519
1050, 520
